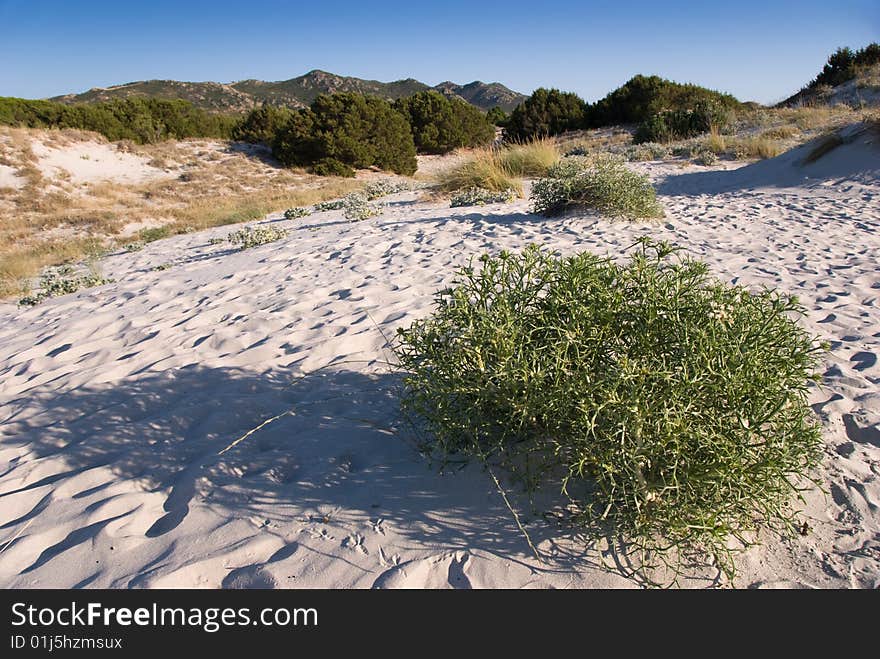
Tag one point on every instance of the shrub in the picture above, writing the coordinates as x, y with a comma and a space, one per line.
385, 187
671, 409
355, 130
673, 125
256, 236
332, 205
497, 117
545, 113
440, 124
295, 213
141, 120
602, 182
481, 197
261, 125
355, 206
707, 158
62, 281
643, 97
332, 167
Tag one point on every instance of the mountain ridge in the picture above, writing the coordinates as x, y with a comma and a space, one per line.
242, 95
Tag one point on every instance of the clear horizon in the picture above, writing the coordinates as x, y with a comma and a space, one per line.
759, 51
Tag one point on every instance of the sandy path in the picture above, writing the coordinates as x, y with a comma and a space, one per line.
115, 402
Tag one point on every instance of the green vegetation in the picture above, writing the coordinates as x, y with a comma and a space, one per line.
601, 182
497, 117
256, 236
296, 213
440, 124
62, 281
642, 97
357, 131
671, 125
545, 113
261, 125
844, 64
669, 408
500, 169
481, 197
140, 120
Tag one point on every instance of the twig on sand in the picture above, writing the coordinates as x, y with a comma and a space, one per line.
253, 430
20, 531
514, 513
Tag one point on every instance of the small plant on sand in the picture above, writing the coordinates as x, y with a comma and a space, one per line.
332, 205
62, 281
256, 236
647, 151
295, 213
707, 158
385, 187
601, 182
481, 197
670, 409
356, 206
134, 247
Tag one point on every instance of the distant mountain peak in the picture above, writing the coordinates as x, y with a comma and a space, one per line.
242, 95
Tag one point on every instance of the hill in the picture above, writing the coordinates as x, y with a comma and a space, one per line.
851, 77
296, 92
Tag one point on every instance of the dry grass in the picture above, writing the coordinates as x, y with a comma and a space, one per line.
716, 143
50, 220
482, 168
500, 169
529, 159
823, 146
757, 147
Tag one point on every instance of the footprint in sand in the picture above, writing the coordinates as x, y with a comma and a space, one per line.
442, 571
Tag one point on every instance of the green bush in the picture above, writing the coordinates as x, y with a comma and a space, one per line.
601, 182
670, 408
497, 117
545, 113
672, 125
261, 125
332, 167
643, 97
440, 124
355, 130
142, 120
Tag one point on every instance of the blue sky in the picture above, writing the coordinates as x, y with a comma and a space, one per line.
756, 50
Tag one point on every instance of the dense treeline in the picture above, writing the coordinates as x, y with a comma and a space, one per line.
664, 109
142, 120
844, 64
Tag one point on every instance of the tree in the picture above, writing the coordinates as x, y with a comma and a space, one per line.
440, 124
359, 131
546, 112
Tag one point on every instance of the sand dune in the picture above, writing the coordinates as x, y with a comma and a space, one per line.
117, 404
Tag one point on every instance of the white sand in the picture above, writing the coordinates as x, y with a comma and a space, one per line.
92, 162
115, 403
9, 178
